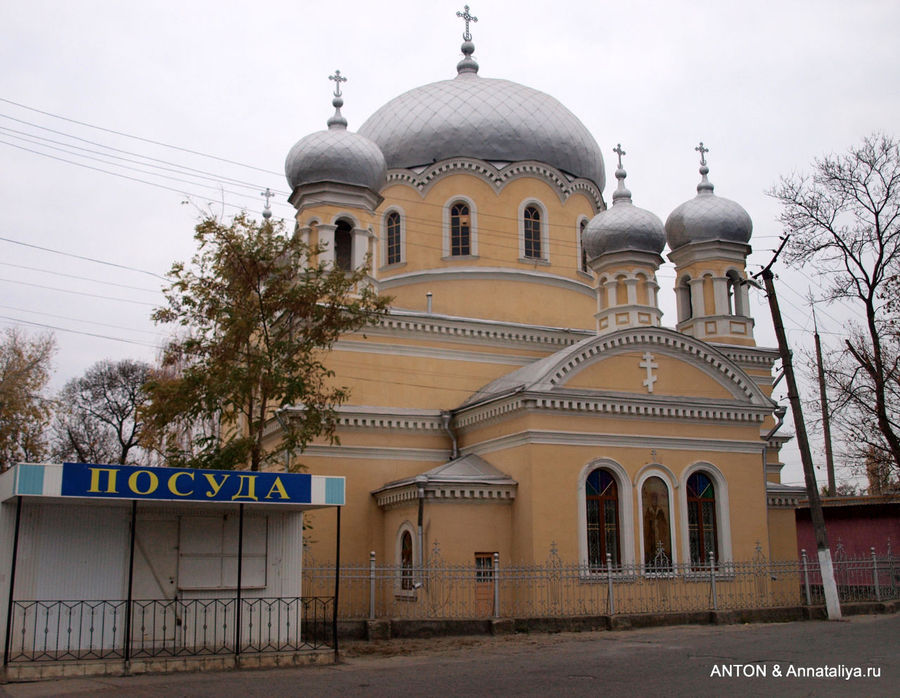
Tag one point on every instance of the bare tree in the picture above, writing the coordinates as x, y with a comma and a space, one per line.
25, 366
98, 417
845, 219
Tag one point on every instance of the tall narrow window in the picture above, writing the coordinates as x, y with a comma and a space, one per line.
460, 232
406, 561
532, 232
393, 237
657, 541
343, 246
584, 260
602, 507
701, 503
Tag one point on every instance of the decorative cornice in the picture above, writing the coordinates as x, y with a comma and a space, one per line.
423, 179
388, 498
424, 455
619, 406
782, 500
450, 328
642, 441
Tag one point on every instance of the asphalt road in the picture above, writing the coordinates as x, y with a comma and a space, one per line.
680, 661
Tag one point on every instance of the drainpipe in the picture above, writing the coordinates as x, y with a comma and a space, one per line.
420, 532
445, 422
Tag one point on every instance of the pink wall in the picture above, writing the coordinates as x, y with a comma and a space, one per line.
857, 527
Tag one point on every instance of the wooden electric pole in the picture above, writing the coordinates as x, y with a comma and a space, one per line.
823, 399
832, 602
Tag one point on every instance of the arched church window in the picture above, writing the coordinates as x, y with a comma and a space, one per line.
685, 302
584, 260
343, 246
406, 561
532, 232
701, 505
657, 524
735, 300
602, 509
460, 231
392, 224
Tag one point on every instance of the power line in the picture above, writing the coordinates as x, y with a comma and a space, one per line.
89, 322
80, 278
138, 138
16, 321
78, 293
78, 256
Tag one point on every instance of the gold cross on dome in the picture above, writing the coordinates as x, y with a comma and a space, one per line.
338, 79
703, 150
467, 18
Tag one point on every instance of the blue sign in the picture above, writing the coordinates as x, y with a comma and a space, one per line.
188, 484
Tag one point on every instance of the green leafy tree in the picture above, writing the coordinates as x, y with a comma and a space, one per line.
845, 219
258, 315
25, 367
97, 418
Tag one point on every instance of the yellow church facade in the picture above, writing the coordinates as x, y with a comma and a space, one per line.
523, 393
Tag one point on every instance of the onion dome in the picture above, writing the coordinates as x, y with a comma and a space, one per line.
707, 216
484, 118
623, 226
336, 155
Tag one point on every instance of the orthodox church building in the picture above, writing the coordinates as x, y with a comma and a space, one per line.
523, 392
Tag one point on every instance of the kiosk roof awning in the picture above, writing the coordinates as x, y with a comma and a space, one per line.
102, 483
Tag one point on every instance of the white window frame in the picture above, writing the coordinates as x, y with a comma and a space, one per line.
384, 238
405, 527
668, 477
545, 232
626, 510
473, 227
723, 513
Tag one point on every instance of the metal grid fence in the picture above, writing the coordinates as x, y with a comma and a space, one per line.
441, 590
80, 630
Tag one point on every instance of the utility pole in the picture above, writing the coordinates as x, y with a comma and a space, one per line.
823, 398
832, 602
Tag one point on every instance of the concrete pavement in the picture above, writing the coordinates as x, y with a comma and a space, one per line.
784, 659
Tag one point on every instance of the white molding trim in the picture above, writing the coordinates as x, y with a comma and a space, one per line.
660, 471
445, 227
723, 510
626, 509
642, 441
489, 274
498, 178
430, 352
429, 455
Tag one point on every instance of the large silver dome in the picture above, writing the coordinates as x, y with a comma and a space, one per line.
336, 155
707, 217
489, 119
623, 226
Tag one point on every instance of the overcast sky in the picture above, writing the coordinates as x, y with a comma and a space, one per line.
766, 85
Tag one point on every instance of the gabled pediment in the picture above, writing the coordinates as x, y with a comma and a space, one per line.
652, 363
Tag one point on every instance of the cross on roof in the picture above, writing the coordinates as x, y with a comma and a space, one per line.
703, 151
338, 79
467, 18
620, 152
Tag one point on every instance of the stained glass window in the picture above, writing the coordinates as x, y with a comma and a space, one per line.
701, 503
602, 500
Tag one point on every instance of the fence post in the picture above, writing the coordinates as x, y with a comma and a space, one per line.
495, 577
611, 599
712, 580
875, 575
372, 585
806, 576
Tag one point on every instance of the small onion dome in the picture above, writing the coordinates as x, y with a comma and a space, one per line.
707, 217
336, 155
624, 226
